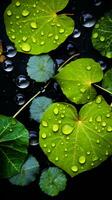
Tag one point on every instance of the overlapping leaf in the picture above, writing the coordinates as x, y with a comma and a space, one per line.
34, 25
107, 80
77, 142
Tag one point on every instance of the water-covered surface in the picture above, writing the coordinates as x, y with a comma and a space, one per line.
16, 88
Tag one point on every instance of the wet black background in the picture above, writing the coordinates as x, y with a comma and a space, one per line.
96, 183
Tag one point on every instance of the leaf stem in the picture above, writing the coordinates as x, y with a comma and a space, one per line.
73, 56
105, 90
24, 106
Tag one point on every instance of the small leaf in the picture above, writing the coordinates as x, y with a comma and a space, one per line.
35, 25
52, 181
38, 107
107, 80
13, 146
77, 77
28, 173
102, 35
40, 68
77, 142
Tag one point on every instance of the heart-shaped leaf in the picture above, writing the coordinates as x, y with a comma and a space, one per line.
107, 80
76, 79
102, 35
13, 146
34, 25
40, 68
77, 142
27, 174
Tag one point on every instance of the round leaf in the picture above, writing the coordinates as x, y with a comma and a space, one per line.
40, 68
76, 79
107, 80
77, 142
35, 27
13, 146
27, 174
102, 35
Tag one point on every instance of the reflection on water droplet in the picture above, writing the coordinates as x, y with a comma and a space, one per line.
25, 47
97, 2
103, 64
20, 99
56, 111
8, 66
9, 13
44, 135
22, 81
88, 20
76, 33
10, 51
74, 168
33, 141
67, 129
25, 13
82, 159
44, 123
55, 127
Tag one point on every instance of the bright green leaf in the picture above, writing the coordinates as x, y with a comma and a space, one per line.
102, 35
40, 68
76, 79
13, 146
34, 25
107, 80
52, 181
77, 142
28, 172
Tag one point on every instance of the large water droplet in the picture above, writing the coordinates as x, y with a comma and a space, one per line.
44, 135
33, 138
55, 127
22, 81
33, 25
82, 159
25, 47
74, 168
88, 20
25, 13
10, 51
44, 123
76, 33
67, 129
56, 111
8, 66
20, 99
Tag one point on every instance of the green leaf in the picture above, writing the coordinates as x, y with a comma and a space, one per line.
38, 107
13, 146
77, 77
77, 142
107, 80
35, 25
28, 172
40, 68
102, 35
52, 181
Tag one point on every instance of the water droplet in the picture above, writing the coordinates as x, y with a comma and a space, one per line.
56, 111
24, 38
20, 99
88, 20
44, 135
88, 68
88, 152
42, 33
22, 81
108, 115
10, 130
104, 124
109, 128
106, 153
76, 33
97, 2
82, 90
102, 38
59, 121
48, 150
62, 116
10, 51
61, 30
109, 54
53, 144
42, 43
33, 138
66, 155
67, 129
97, 26
90, 119
56, 37
44, 123
71, 49
25, 47
95, 158
13, 37
103, 64
25, 13
97, 141
18, 3
50, 35
74, 168
8, 66
33, 25
66, 149
9, 13
98, 118
95, 35
55, 127
82, 159
98, 99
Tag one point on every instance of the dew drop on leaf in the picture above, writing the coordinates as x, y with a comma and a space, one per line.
44, 135
67, 129
74, 168
55, 127
25, 13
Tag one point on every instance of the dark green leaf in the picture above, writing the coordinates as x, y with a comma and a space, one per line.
77, 77
34, 25
13, 146
77, 142
107, 80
